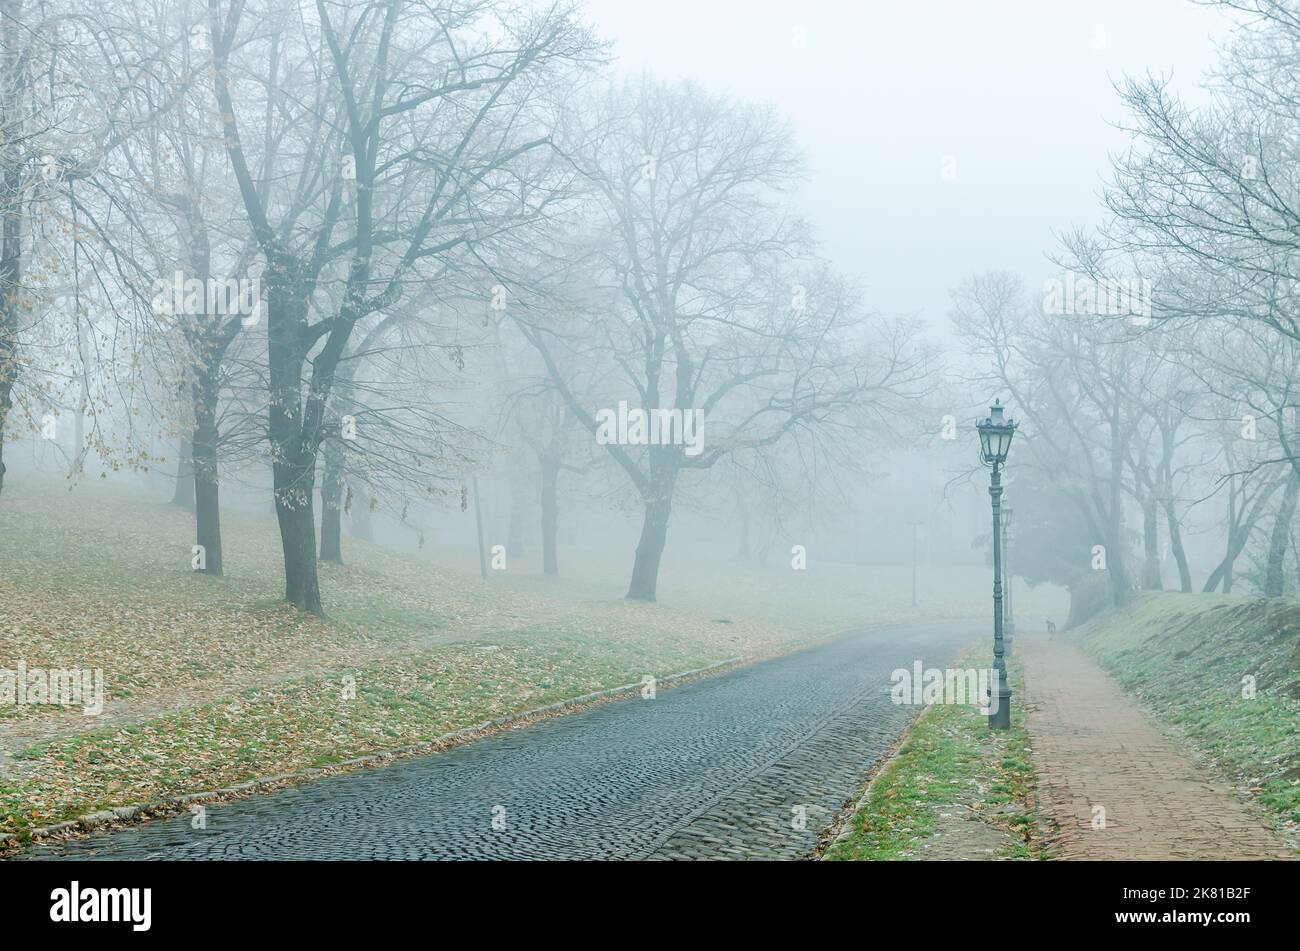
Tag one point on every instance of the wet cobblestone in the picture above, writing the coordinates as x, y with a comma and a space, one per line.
749, 764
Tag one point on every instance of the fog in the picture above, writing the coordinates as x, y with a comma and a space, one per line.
548, 347
1021, 95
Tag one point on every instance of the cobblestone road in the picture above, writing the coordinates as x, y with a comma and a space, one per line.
749, 764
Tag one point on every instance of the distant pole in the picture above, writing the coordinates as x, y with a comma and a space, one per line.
1006, 570
914, 524
478, 522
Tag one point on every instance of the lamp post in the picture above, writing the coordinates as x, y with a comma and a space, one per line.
995, 440
1009, 622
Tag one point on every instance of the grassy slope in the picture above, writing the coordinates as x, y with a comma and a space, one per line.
212, 682
1186, 657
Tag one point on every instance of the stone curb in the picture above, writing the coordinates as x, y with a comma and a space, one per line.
437, 745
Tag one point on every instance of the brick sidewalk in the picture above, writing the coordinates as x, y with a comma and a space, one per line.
1094, 748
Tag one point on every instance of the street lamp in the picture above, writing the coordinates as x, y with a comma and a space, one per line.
1009, 622
995, 441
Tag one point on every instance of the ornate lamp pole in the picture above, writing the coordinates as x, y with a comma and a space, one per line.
1009, 623
995, 440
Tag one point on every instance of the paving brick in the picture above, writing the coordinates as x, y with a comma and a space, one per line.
1093, 746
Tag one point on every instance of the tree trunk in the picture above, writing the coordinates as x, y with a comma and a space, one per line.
4, 412
650, 547
1274, 577
207, 505
8, 369
1222, 573
293, 452
1151, 580
331, 499
1176, 546
550, 515
298, 543
184, 492
12, 104
1216, 576
1239, 531
1116, 571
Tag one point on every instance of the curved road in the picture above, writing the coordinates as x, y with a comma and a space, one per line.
753, 763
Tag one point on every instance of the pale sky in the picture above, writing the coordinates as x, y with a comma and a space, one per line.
880, 92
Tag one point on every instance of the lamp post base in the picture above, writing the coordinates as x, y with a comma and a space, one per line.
1000, 719
1000, 715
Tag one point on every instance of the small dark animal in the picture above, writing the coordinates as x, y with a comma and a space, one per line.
1051, 630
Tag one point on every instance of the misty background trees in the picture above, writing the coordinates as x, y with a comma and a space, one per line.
379, 248
345, 261
1159, 394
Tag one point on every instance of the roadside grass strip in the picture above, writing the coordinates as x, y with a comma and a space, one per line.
954, 790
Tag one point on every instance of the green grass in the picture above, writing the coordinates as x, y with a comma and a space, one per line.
1188, 657
955, 790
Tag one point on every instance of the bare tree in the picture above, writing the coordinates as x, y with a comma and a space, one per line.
398, 125
712, 314
1074, 381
